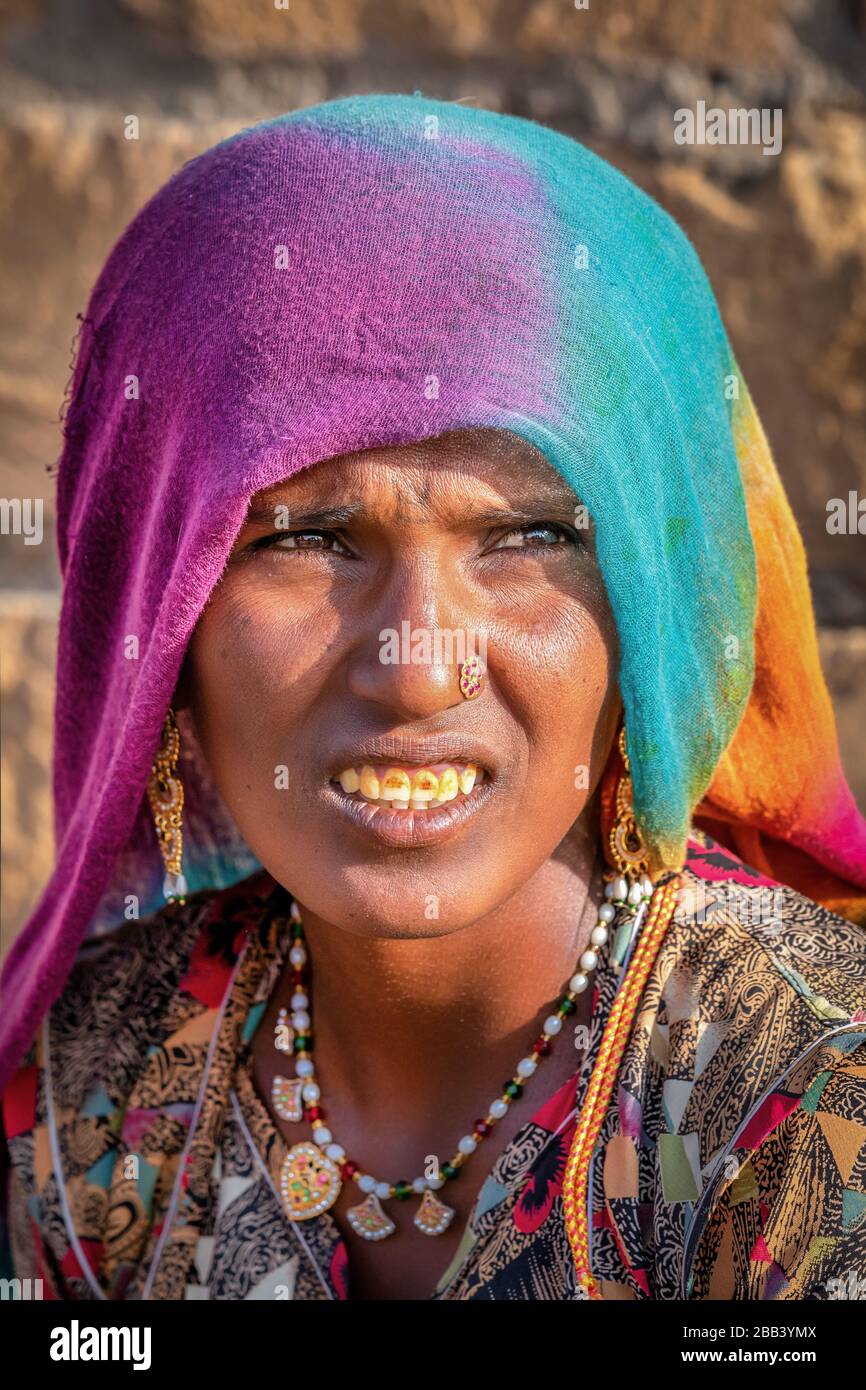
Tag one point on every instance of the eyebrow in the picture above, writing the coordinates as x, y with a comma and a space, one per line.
262, 514
328, 518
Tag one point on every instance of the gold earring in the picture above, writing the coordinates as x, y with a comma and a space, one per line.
471, 678
165, 794
627, 850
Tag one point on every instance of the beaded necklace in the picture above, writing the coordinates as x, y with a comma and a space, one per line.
314, 1171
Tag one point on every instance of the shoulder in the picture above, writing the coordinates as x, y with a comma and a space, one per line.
755, 992
769, 945
116, 1068
748, 1062
132, 986
751, 980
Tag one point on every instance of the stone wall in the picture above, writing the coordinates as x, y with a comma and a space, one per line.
783, 238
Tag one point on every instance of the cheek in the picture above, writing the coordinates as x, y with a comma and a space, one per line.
254, 665
562, 666
581, 679
261, 640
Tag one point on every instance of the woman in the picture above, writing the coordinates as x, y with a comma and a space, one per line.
434, 618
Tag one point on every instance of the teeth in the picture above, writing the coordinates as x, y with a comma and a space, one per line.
369, 783
448, 784
425, 785
395, 785
423, 790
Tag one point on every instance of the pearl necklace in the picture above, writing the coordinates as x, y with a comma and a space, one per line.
313, 1173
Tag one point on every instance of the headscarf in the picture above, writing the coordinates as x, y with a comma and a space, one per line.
383, 269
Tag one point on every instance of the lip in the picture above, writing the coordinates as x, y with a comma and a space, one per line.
417, 752
409, 829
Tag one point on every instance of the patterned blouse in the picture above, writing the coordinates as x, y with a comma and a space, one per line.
142, 1164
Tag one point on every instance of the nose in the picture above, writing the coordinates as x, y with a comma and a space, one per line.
416, 640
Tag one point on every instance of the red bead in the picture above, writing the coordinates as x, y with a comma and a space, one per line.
481, 1128
314, 1113
348, 1168
541, 1048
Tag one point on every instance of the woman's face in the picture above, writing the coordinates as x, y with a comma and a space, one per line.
333, 644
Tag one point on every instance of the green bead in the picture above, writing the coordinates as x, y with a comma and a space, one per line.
297, 929
449, 1171
567, 1006
402, 1190
513, 1089
300, 1042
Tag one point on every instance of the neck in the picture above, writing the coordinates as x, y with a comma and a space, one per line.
416, 1019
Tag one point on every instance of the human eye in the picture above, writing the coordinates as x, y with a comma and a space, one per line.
318, 542
538, 535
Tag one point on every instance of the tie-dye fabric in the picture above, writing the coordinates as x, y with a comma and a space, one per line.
382, 269
731, 1163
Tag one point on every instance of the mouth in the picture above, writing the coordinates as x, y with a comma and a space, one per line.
404, 805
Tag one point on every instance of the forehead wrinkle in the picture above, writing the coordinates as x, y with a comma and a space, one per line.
428, 478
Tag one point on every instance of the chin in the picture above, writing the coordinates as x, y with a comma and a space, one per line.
397, 898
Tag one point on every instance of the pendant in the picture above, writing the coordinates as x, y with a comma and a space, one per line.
310, 1182
433, 1217
369, 1220
287, 1099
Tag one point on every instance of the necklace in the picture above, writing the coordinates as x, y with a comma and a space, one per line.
313, 1172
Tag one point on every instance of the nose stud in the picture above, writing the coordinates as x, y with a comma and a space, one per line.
471, 678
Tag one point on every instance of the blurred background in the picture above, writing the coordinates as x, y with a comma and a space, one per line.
782, 237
